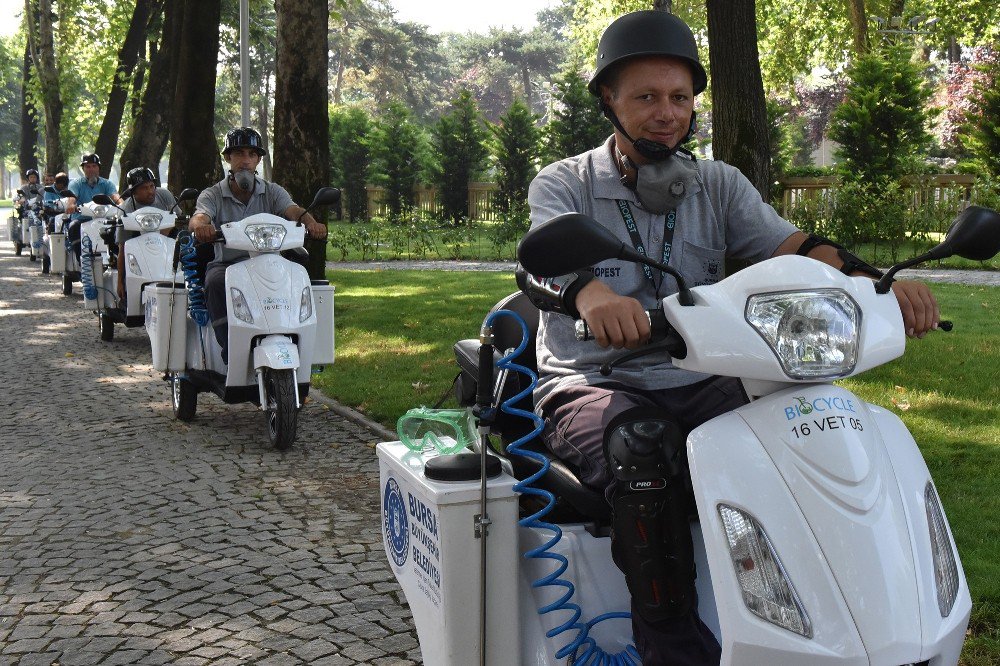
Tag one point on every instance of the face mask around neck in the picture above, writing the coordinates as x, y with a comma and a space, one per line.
244, 179
661, 186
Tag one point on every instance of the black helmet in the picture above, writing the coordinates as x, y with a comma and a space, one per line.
31, 172
140, 175
243, 137
90, 158
648, 33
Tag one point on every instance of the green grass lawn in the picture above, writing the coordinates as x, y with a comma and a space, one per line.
395, 331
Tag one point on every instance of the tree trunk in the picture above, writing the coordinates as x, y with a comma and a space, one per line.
301, 126
128, 54
264, 118
151, 126
859, 24
194, 149
740, 135
26, 158
140, 77
664, 5
38, 16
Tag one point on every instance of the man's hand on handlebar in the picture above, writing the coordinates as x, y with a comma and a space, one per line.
315, 229
202, 228
615, 321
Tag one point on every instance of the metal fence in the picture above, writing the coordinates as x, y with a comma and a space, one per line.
947, 190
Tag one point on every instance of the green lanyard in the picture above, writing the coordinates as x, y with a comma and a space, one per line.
669, 223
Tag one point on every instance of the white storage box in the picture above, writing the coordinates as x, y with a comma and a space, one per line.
57, 251
167, 329
323, 300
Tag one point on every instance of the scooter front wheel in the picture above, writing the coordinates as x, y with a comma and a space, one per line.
67, 285
17, 249
183, 398
282, 415
46, 264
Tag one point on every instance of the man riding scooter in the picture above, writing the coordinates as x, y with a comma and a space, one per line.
84, 189
625, 435
143, 186
241, 194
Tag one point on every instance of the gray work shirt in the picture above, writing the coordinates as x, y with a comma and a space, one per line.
222, 206
722, 216
163, 200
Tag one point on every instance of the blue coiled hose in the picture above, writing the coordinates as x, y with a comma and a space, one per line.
86, 267
585, 648
195, 289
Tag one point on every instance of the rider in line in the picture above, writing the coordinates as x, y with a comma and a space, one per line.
692, 214
241, 194
27, 190
142, 183
84, 189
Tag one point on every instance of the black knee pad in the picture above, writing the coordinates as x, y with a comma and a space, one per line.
651, 540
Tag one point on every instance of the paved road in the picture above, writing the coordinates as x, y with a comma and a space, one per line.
127, 537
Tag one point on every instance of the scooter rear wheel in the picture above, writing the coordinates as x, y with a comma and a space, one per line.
282, 416
183, 398
107, 327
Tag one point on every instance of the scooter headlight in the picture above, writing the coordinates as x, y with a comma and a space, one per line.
240, 307
305, 305
133, 264
767, 590
814, 334
266, 237
149, 221
945, 567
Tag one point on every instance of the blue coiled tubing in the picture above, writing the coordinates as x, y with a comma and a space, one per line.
585, 648
195, 289
86, 267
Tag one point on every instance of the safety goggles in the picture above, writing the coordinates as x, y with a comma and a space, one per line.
445, 430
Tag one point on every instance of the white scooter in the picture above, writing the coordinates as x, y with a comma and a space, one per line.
821, 537
14, 229
95, 256
149, 259
32, 228
64, 259
280, 325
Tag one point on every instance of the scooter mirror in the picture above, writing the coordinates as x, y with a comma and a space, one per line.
568, 242
187, 194
103, 200
974, 235
67, 193
326, 196
51, 189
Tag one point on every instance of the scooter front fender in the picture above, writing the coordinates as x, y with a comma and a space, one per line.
276, 351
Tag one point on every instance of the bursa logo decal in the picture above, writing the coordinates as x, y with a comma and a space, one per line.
394, 523
804, 407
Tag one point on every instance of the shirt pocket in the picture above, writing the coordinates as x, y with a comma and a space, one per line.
702, 265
